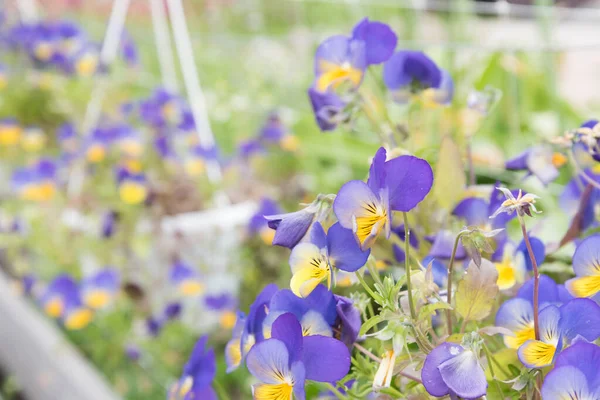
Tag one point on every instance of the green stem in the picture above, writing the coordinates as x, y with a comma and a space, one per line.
373, 271
411, 303
361, 279
450, 270
489, 356
334, 390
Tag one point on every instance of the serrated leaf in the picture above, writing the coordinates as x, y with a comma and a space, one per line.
450, 179
476, 291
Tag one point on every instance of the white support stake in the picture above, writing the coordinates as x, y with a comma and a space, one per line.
183, 44
163, 45
108, 53
28, 11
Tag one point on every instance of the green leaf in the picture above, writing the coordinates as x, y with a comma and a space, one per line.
429, 309
476, 291
371, 323
450, 179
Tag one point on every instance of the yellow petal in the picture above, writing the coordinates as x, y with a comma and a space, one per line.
79, 319
282, 391
132, 192
227, 320
514, 342
54, 307
306, 280
96, 299
506, 275
537, 354
191, 288
586, 286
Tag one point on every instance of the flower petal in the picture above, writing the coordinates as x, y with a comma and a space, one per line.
430, 374
351, 200
380, 40
268, 361
536, 354
473, 210
586, 260
565, 383
325, 359
409, 180
344, 252
517, 316
585, 357
313, 323
464, 376
287, 329
548, 292
580, 317
376, 179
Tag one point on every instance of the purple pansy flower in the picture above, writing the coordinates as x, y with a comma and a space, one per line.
409, 73
187, 280
586, 265
312, 261
198, 374
540, 161
317, 312
575, 374
395, 185
63, 299
452, 369
328, 108
290, 228
348, 321
284, 362
99, 289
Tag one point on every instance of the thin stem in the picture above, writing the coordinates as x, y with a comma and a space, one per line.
536, 279
500, 367
450, 270
411, 303
335, 391
361, 279
491, 367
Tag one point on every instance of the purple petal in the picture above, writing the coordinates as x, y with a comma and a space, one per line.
349, 316
287, 329
380, 40
286, 301
443, 244
322, 301
325, 359
290, 228
339, 50
464, 376
406, 68
205, 393
580, 317
583, 356
548, 292
549, 324
344, 251
268, 361
586, 260
299, 377
349, 202
318, 237
515, 314
377, 171
257, 313
327, 108
518, 163
473, 210
539, 252
430, 374
565, 383
409, 180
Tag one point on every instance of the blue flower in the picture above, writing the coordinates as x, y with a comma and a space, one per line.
539, 161
99, 289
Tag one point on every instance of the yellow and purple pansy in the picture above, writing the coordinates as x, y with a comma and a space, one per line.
285, 361
99, 289
395, 185
198, 374
312, 262
586, 265
36, 182
188, 282
540, 161
62, 299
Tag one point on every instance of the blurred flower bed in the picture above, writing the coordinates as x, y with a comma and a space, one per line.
135, 298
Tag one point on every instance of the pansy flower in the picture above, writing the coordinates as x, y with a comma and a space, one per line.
575, 374
539, 161
97, 143
225, 304
516, 262
133, 186
284, 362
10, 132
450, 369
129, 141
576, 318
258, 224
198, 374
197, 158
328, 108
586, 264
290, 228
395, 185
316, 313
312, 262
342, 60
85, 62
62, 299
248, 330
36, 182
274, 131
410, 73
188, 282
348, 320
100, 288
